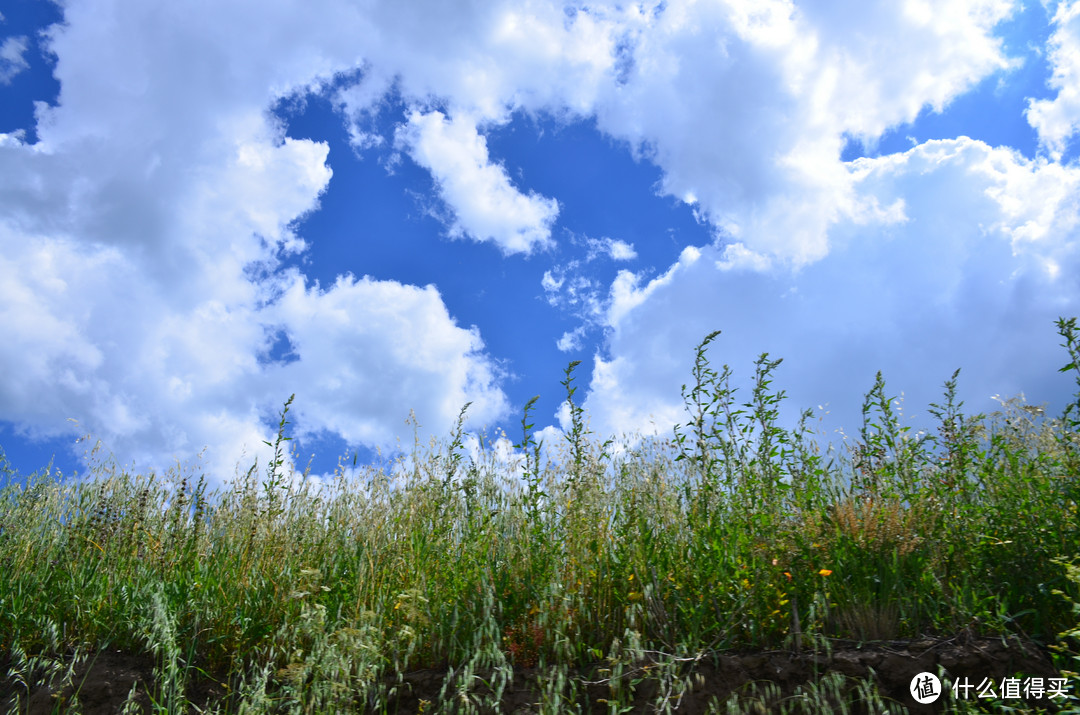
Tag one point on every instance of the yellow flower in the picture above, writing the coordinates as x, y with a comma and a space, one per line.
825, 572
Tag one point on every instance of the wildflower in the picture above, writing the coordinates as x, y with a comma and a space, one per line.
824, 572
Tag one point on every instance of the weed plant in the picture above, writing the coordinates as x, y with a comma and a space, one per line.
302, 596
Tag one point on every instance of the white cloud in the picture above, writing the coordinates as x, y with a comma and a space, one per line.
881, 63
613, 248
626, 296
973, 278
496, 454
626, 400
369, 351
488, 59
568, 287
571, 340
141, 240
161, 191
745, 105
1058, 119
359, 102
736, 256
621, 251
551, 284
12, 61
486, 205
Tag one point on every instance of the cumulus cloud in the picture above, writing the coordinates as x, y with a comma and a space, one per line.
745, 105
485, 204
625, 294
142, 240
488, 59
764, 169
143, 235
369, 351
972, 275
882, 63
12, 61
1057, 120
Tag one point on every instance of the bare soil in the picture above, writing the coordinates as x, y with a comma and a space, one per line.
102, 683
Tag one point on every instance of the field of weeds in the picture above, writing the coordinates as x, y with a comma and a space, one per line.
736, 567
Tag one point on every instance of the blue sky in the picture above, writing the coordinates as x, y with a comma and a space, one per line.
385, 207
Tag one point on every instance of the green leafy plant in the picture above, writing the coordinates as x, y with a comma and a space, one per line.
600, 577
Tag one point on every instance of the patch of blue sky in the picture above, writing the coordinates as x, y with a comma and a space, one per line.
380, 217
282, 350
26, 456
35, 83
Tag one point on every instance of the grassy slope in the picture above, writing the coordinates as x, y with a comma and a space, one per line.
738, 533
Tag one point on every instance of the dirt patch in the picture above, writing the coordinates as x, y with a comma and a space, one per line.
892, 665
101, 682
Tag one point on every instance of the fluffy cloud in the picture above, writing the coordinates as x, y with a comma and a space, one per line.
485, 204
972, 274
143, 236
571, 340
1057, 120
486, 59
142, 240
370, 351
12, 61
882, 63
746, 105
613, 248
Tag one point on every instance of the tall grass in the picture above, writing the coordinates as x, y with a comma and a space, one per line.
299, 596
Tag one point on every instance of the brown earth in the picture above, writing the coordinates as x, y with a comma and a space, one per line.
105, 679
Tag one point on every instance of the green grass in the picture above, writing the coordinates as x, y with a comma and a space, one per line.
736, 533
